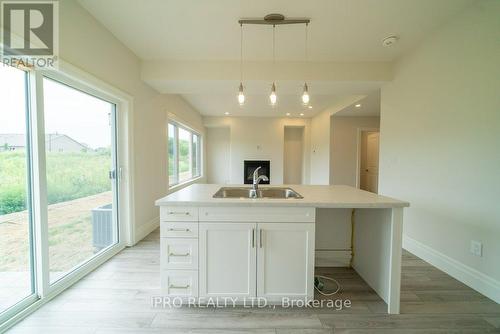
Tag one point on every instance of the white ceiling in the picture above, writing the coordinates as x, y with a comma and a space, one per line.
341, 31
259, 105
323, 95
369, 106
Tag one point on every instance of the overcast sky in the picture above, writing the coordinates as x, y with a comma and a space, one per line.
67, 111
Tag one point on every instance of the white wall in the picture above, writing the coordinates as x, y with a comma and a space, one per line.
293, 162
321, 139
86, 44
320, 148
259, 138
344, 147
218, 155
440, 135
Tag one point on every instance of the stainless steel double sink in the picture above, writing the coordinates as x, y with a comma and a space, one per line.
263, 192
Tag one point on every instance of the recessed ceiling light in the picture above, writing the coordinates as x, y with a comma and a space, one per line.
226, 113
301, 114
310, 107
358, 105
288, 114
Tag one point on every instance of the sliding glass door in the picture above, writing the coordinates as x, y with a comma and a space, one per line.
81, 176
17, 279
59, 185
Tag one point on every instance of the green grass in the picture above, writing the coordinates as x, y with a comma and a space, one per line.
69, 176
183, 157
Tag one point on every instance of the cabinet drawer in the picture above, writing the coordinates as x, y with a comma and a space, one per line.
177, 253
180, 283
179, 230
258, 214
179, 213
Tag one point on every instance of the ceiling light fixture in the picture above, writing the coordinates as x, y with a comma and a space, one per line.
273, 98
301, 114
241, 95
310, 107
288, 114
358, 105
305, 94
226, 113
274, 20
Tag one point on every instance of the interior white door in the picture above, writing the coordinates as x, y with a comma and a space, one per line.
227, 259
285, 260
372, 153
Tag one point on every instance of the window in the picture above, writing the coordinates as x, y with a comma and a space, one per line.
184, 154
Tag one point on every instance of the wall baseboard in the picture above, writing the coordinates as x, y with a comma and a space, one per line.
471, 277
332, 258
143, 230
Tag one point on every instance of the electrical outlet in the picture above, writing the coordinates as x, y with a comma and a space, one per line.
476, 248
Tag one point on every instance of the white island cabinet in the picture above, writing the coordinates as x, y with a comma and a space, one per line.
256, 252
239, 252
247, 248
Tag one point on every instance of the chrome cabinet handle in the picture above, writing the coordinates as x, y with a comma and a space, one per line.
171, 286
253, 238
179, 229
178, 213
260, 238
174, 254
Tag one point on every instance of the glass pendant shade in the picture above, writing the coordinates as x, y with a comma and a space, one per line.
241, 96
272, 97
305, 95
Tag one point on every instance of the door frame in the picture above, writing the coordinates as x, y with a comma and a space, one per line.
358, 151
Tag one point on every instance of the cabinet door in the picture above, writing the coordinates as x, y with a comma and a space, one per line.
227, 259
285, 260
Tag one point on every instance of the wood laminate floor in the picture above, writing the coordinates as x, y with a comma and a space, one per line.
116, 298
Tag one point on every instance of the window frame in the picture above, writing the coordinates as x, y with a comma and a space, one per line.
178, 125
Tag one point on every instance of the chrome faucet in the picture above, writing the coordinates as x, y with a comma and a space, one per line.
256, 179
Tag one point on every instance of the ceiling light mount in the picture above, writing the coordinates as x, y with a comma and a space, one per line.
389, 41
275, 19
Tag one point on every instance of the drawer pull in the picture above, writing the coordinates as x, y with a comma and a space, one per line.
179, 229
178, 213
171, 286
253, 238
175, 254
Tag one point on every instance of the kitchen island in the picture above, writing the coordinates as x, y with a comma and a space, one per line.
264, 247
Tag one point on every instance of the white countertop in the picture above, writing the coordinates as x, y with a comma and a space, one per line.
314, 196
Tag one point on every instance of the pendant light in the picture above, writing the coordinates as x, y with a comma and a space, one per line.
241, 95
274, 19
272, 97
305, 94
